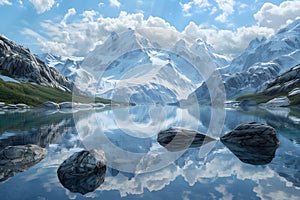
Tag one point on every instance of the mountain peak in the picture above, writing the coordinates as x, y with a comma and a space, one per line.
292, 27
114, 36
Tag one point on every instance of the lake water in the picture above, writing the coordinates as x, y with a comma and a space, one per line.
139, 167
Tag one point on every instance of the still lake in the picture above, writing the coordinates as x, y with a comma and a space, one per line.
208, 172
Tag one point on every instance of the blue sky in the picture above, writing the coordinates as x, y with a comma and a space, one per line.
74, 27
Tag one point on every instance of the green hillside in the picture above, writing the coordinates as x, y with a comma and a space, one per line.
35, 95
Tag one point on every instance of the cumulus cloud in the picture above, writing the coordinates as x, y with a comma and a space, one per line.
228, 42
115, 3
81, 36
70, 12
198, 4
66, 37
5, 2
227, 7
42, 5
276, 17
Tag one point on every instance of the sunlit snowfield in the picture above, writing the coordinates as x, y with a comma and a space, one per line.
194, 175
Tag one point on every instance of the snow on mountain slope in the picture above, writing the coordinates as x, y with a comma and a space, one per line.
70, 67
262, 61
132, 66
282, 48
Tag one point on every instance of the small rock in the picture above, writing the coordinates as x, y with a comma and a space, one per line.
22, 106
66, 105
10, 107
252, 143
51, 105
83, 172
177, 139
98, 105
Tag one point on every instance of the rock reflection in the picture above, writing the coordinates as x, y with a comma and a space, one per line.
15, 159
252, 155
253, 143
83, 172
178, 139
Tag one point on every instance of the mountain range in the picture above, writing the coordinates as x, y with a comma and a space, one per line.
261, 62
133, 67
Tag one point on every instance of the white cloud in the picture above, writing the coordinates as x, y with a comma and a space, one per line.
20, 2
276, 17
42, 5
101, 4
5, 2
213, 10
227, 41
70, 12
115, 3
198, 4
81, 36
227, 7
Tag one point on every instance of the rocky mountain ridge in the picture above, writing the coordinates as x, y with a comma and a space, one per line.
19, 62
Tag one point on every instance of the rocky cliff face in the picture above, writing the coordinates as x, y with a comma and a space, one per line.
19, 62
284, 83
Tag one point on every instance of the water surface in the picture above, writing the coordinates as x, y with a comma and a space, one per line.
208, 172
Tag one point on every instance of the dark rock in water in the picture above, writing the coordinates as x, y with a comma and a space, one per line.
15, 159
178, 139
21, 155
252, 143
252, 134
83, 172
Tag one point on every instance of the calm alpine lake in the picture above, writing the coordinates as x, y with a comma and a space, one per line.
138, 167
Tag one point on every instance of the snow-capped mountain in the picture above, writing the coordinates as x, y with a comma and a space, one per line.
70, 68
132, 66
283, 48
262, 61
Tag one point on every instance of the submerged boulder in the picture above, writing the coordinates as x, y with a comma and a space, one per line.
83, 172
253, 143
15, 159
178, 139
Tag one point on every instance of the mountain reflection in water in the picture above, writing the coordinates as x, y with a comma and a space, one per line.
206, 172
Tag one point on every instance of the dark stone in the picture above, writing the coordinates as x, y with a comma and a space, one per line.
83, 172
21, 155
177, 139
253, 143
15, 159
